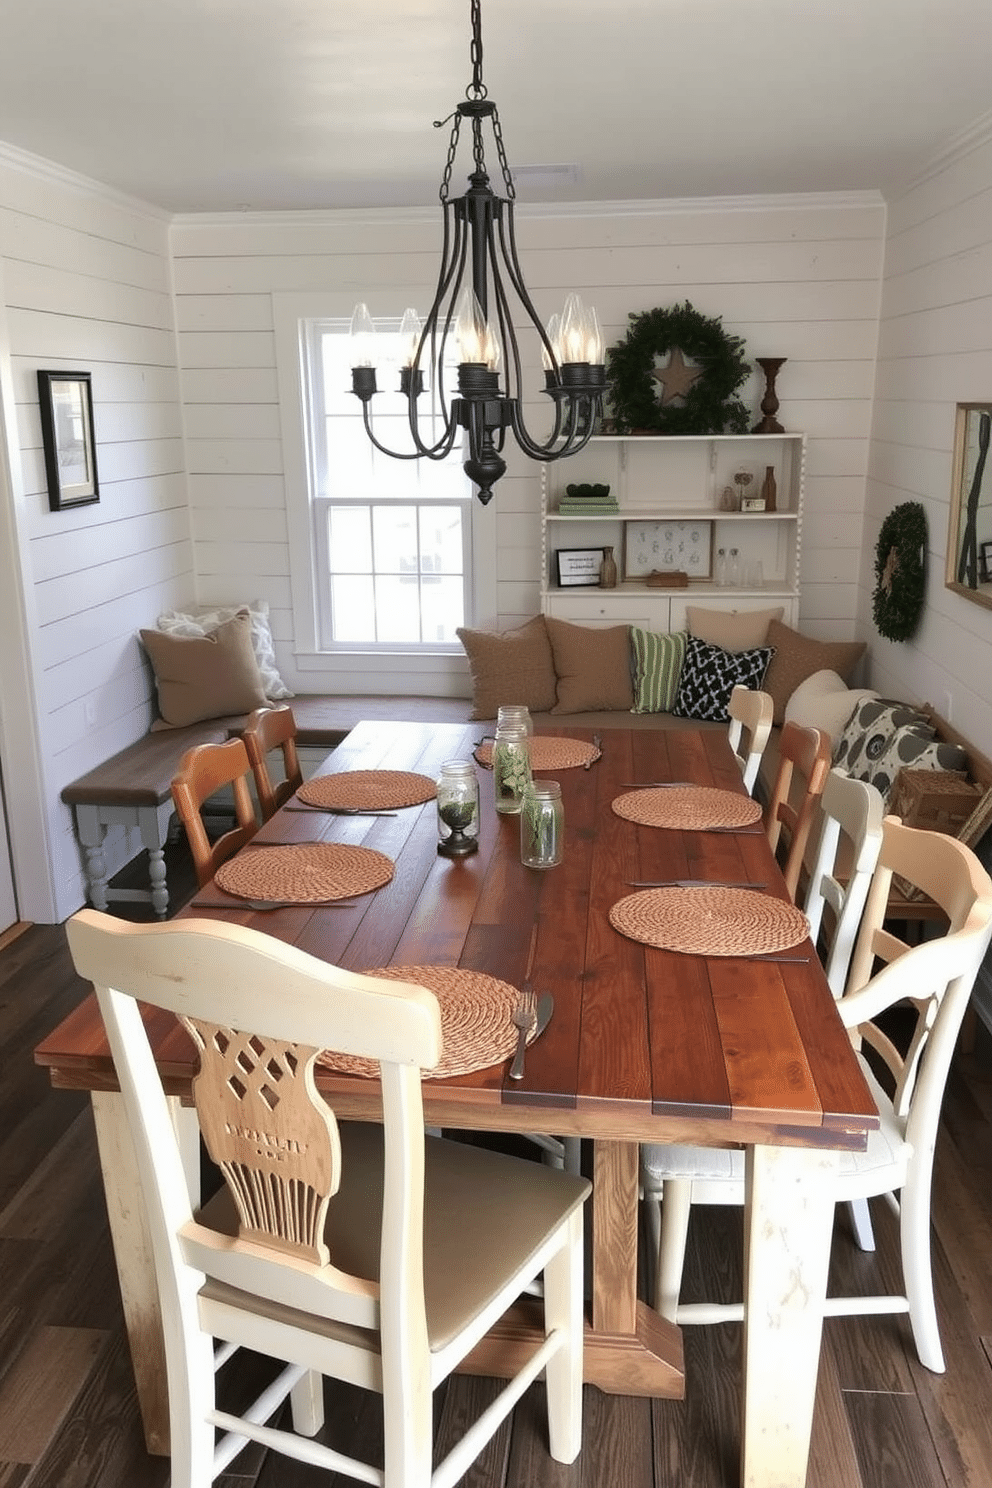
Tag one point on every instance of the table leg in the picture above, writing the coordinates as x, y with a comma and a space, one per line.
133, 1252
788, 1226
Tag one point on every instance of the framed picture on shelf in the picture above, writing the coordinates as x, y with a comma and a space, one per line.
669, 547
66, 405
577, 567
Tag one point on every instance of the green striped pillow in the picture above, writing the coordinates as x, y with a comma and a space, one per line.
657, 667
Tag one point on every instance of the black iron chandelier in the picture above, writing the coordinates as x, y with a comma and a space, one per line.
472, 309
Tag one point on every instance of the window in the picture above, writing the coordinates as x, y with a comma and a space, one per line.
392, 539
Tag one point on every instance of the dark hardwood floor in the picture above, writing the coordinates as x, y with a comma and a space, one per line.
68, 1417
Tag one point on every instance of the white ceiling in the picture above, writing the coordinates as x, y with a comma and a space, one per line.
212, 105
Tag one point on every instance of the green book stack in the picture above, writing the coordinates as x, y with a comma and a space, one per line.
587, 499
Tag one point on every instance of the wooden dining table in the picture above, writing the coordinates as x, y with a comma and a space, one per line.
645, 1044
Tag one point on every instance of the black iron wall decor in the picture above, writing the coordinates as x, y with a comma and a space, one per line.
66, 404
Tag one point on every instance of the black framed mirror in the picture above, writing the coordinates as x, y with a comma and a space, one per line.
969, 537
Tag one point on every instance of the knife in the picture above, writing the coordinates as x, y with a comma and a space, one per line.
545, 1007
341, 810
689, 883
263, 904
661, 785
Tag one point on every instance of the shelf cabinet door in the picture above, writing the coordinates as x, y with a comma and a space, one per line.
601, 608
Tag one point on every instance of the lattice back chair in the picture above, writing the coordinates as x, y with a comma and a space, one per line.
934, 979
269, 729
204, 770
804, 764
362, 1252
750, 725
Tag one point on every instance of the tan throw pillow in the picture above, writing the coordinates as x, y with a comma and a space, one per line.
593, 667
205, 677
731, 630
515, 666
798, 657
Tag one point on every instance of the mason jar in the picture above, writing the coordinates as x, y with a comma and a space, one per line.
457, 809
515, 715
511, 768
542, 825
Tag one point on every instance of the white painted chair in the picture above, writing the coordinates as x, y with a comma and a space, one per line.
934, 978
751, 714
803, 767
361, 1252
849, 843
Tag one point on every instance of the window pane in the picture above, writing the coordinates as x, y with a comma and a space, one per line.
395, 538
350, 539
441, 605
440, 539
353, 609
397, 608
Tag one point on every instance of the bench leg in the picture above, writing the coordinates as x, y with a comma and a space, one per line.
96, 874
154, 825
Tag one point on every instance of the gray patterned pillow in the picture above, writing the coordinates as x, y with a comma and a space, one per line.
870, 730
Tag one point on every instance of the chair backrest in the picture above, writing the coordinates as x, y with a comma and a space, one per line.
260, 1012
850, 838
750, 712
202, 771
268, 729
934, 977
804, 764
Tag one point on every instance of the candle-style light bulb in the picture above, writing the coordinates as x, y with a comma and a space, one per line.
362, 335
573, 331
595, 351
410, 332
477, 341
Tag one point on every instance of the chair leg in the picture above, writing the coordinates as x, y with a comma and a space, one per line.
675, 1206
572, 1148
861, 1224
191, 1435
563, 1310
307, 1402
914, 1239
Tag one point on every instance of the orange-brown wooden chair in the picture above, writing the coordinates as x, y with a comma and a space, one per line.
202, 771
268, 729
804, 764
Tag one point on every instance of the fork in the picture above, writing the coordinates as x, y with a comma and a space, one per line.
522, 1018
597, 740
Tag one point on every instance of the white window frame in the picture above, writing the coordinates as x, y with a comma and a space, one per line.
391, 663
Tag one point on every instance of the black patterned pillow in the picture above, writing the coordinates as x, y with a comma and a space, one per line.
906, 750
710, 674
870, 730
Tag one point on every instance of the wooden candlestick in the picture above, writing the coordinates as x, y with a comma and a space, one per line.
769, 403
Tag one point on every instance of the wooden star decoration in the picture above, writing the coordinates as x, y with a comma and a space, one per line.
889, 571
675, 380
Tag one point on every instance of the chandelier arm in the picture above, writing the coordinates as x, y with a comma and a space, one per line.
508, 244
384, 449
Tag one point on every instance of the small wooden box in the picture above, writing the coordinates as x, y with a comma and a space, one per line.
676, 580
937, 800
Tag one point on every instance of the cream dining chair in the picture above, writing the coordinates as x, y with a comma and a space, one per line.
362, 1252
934, 979
850, 840
204, 770
267, 730
749, 728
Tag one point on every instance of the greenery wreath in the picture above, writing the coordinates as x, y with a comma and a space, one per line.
710, 406
900, 571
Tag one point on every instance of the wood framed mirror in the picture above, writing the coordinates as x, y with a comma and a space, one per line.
969, 537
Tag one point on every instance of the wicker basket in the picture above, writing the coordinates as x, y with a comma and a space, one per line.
937, 800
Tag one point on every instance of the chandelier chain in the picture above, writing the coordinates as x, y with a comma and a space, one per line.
477, 88
450, 161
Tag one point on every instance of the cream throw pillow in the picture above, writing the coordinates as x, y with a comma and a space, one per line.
202, 619
205, 676
731, 630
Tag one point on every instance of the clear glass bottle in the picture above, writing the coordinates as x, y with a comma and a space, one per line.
608, 570
457, 809
511, 768
542, 825
734, 575
721, 568
515, 715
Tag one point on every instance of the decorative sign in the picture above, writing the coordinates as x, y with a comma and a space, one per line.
667, 547
578, 567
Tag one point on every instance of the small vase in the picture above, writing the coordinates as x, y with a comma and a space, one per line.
608, 570
769, 490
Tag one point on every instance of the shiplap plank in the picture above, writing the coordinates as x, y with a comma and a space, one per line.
84, 208
60, 555
66, 596
233, 421
66, 292
229, 385
117, 382
234, 456
224, 490
224, 312
253, 525
53, 245
66, 340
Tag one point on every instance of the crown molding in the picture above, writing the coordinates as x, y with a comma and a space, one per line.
48, 170
973, 137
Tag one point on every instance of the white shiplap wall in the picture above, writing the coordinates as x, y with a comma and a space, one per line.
795, 277
935, 350
86, 285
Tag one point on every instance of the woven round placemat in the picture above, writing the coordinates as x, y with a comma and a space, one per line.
307, 873
548, 753
710, 922
371, 790
691, 808
475, 1021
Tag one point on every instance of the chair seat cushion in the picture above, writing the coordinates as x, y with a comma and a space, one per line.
469, 1251
860, 1173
